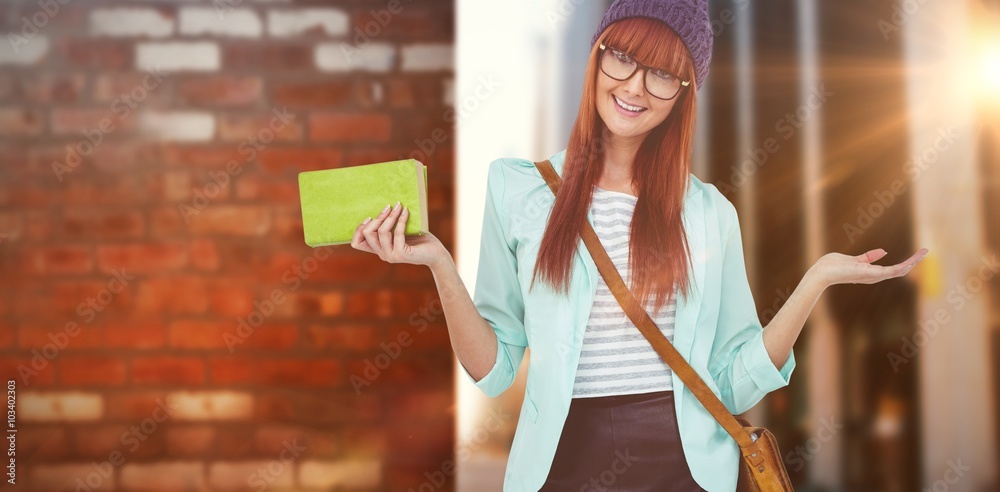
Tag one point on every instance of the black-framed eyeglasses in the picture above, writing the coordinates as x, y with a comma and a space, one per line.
659, 83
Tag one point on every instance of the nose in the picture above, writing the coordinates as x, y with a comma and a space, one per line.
636, 84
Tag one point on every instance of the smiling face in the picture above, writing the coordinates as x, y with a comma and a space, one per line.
621, 121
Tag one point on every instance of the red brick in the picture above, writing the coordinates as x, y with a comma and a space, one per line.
49, 87
167, 222
85, 300
420, 406
119, 156
314, 94
142, 258
116, 190
37, 336
412, 91
278, 160
350, 127
131, 406
234, 220
288, 225
97, 223
96, 53
272, 336
231, 298
257, 128
119, 86
91, 370
43, 443
133, 440
168, 370
229, 370
7, 332
411, 368
370, 304
310, 303
430, 336
24, 196
271, 439
142, 333
167, 475
272, 56
344, 337
204, 255
267, 189
60, 260
202, 156
16, 122
275, 407
231, 442
192, 334
413, 24
180, 294
220, 90
21, 369
298, 372
190, 441
103, 121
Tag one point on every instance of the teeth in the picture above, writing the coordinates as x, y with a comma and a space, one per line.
634, 109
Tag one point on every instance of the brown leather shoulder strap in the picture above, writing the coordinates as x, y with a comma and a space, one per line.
648, 327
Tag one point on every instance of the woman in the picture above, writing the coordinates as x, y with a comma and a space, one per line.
601, 411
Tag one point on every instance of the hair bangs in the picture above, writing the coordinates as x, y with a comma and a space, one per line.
652, 43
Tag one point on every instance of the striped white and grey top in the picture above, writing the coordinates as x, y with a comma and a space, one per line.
616, 358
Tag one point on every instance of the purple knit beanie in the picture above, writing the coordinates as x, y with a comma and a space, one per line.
688, 18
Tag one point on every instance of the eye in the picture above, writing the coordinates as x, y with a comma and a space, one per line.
621, 56
663, 74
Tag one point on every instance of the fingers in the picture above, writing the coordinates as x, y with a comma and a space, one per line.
358, 241
902, 268
399, 241
370, 232
385, 231
870, 256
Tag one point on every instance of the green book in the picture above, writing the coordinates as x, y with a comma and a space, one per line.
336, 201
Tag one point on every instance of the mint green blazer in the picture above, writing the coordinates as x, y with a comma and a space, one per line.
716, 329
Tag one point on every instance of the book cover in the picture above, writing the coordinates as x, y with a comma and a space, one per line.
336, 201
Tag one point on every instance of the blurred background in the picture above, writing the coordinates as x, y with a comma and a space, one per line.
164, 327
833, 127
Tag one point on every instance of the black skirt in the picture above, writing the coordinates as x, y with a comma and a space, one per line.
621, 443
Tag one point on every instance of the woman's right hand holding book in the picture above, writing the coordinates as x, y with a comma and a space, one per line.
383, 235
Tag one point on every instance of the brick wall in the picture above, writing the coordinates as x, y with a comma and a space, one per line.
161, 320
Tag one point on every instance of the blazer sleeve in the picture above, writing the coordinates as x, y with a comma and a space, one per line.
739, 362
497, 294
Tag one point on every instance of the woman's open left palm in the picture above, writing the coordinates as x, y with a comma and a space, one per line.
836, 268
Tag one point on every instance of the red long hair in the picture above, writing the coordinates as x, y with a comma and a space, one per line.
659, 251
